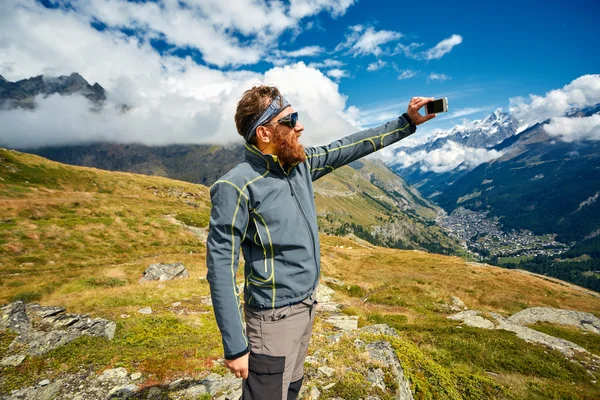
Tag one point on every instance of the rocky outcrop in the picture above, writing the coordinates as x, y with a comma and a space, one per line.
383, 353
531, 335
581, 320
165, 272
41, 329
516, 323
471, 318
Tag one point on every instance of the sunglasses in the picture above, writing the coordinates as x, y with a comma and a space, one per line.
289, 120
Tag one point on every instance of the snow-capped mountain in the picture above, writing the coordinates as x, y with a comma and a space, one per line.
484, 133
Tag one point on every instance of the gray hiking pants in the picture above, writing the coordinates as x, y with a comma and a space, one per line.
279, 341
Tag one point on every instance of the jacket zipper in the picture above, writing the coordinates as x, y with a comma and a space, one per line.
305, 220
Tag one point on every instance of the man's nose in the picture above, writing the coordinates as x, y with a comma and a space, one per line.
299, 127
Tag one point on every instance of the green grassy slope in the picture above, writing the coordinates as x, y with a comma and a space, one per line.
81, 238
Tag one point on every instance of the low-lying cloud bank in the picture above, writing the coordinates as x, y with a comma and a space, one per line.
173, 99
450, 156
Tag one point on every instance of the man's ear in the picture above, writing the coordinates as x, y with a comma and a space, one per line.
263, 135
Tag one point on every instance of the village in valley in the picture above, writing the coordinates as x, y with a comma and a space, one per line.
484, 236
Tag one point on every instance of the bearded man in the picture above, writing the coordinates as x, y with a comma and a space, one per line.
265, 206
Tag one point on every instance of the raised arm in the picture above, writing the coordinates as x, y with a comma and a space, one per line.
324, 159
228, 224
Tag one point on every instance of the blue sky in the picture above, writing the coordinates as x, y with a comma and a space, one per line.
344, 64
509, 49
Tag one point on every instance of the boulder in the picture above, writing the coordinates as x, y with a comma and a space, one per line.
165, 272
581, 320
471, 318
44, 328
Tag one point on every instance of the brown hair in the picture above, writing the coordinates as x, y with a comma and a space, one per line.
252, 104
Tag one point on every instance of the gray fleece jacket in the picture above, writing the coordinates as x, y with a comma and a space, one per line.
270, 214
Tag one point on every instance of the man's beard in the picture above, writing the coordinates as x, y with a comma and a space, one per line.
289, 150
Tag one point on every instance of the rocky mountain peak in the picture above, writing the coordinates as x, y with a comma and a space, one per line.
22, 94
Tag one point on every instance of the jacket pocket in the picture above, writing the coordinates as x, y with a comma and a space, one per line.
262, 265
265, 377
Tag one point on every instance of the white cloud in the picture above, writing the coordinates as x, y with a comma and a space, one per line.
406, 74
574, 129
174, 100
376, 65
337, 73
437, 77
304, 8
438, 51
446, 158
443, 47
281, 57
581, 92
408, 51
308, 51
328, 63
362, 42
214, 27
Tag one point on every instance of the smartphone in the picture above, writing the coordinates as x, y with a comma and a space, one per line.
437, 106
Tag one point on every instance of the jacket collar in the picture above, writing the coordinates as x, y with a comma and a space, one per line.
267, 161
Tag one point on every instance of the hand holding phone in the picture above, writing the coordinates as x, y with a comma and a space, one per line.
415, 104
437, 106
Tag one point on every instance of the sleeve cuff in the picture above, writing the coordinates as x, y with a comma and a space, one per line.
237, 355
413, 127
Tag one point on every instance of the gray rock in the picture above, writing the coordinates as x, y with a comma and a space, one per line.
327, 371
231, 395
581, 320
145, 310
376, 378
215, 383
45, 382
114, 374
379, 329
192, 391
178, 384
42, 343
471, 318
359, 344
44, 311
135, 376
325, 303
44, 328
333, 339
457, 304
122, 392
313, 394
154, 393
311, 361
343, 322
12, 361
383, 352
531, 335
47, 392
165, 272
14, 316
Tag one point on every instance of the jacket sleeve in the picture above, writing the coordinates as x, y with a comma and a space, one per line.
324, 159
228, 224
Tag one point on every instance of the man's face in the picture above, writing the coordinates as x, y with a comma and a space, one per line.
285, 139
